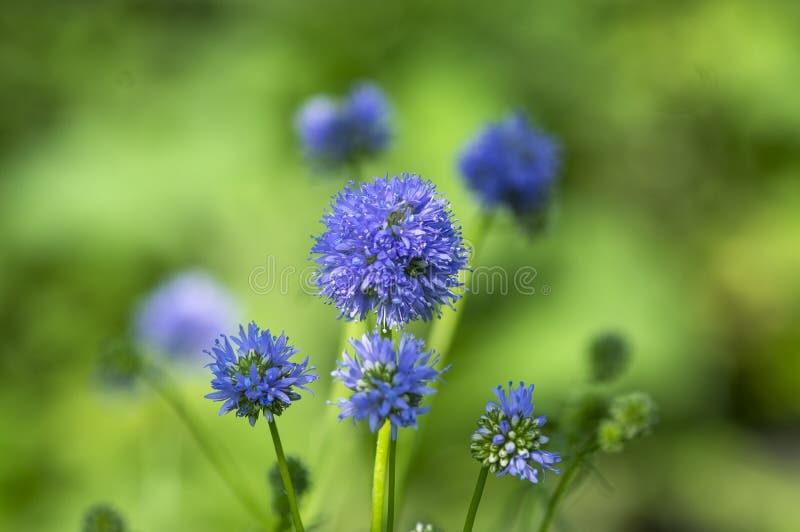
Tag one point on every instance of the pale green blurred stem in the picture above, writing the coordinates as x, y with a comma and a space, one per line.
476, 499
286, 477
563, 485
379, 475
443, 331
158, 381
390, 503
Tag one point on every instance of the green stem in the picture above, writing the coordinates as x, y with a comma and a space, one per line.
476, 499
286, 477
390, 509
563, 485
167, 392
379, 475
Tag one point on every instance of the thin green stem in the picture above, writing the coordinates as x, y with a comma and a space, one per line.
286, 477
156, 381
563, 484
379, 475
476, 499
390, 503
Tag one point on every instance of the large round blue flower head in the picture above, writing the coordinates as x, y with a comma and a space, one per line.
256, 376
387, 383
391, 246
509, 438
184, 314
334, 133
513, 165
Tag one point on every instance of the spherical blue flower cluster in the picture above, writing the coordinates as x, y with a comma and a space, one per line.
257, 376
511, 164
391, 246
509, 438
387, 384
334, 133
184, 314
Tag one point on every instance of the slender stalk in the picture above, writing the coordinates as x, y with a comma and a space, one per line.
156, 380
563, 484
476, 499
390, 503
379, 476
286, 477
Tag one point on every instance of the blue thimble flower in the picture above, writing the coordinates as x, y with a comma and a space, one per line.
387, 383
509, 438
184, 314
390, 246
256, 376
334, 133
510, 164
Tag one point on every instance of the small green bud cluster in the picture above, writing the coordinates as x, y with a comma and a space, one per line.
301, 481
523, 436
103, 518
609, 357
630, 416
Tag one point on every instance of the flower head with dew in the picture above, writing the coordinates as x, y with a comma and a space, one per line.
184, 314
390, 246
254, 374
509, 438
510, 164
334, 132
388, 383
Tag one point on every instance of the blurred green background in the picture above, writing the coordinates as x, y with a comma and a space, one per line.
142, 138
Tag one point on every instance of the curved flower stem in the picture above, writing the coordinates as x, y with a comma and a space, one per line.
564, 483
476, 499
286, 477
156, 380
390, 509
379, 475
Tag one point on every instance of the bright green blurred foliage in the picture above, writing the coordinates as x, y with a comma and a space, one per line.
138, 138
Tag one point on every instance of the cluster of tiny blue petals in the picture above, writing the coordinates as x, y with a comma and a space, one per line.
511, 164
508, 439
391, 246
334, 133
387, 383
184, 314
255, 374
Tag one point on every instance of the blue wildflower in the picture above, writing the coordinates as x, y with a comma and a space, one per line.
184, 314
387, 383
391, 246
509, 438
511, 164
335, 133
257, 375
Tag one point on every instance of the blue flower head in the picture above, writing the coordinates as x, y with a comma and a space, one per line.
184, 314
509, 438
510, 164
391, 246
387, 383
334, 133
254, 374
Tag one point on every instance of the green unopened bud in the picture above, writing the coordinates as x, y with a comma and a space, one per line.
635, 413
103, 518
119, 364
610, 356
301, 481
610, 436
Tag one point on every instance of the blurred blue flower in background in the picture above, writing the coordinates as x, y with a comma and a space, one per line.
183, 315
391, 246
335, 133
388, 384
257, 376
511, 164
509, 439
